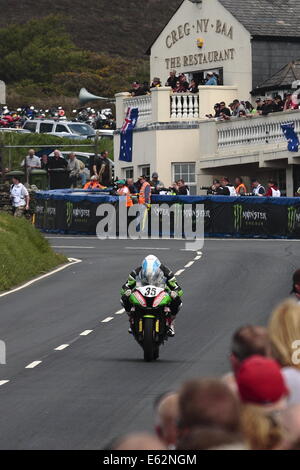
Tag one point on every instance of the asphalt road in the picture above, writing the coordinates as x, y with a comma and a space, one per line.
98, 387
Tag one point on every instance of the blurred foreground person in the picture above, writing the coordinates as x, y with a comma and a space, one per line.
167, 414
210, 438
141, 441
290, 420
208, 402
262, 431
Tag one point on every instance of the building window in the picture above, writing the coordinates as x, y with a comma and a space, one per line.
128, 173
145, 170
186, 172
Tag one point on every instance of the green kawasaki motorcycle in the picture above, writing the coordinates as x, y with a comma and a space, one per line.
150, 308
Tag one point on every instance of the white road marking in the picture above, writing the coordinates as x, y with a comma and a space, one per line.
86, 332
179, 272
198, 258
190, 264
62, 347
107, 320
146, 248
120, 312
33, 365
72, 261
74, 247
3, 382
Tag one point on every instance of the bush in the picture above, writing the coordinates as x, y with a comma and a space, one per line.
24, 252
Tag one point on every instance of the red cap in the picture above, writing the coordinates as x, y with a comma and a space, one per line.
260, 381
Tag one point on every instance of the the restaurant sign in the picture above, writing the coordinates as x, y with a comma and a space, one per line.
201, 26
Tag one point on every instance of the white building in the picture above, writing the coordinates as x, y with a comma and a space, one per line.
173, 137
2, 93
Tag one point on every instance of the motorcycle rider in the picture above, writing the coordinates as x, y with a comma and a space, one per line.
150, 271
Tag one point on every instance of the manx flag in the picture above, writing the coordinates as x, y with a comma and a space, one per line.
132, 116
291, 136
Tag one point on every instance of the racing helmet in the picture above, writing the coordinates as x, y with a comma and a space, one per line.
151, 274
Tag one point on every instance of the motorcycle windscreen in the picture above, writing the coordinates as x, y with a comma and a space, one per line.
155, 278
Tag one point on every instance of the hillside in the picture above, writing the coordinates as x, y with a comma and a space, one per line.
124, 28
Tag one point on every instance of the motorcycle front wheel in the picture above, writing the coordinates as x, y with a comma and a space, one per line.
149, 346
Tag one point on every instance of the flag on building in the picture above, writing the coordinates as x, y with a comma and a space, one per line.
127, 134
291, 136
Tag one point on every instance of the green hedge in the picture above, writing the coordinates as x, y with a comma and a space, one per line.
24, 252
13, 157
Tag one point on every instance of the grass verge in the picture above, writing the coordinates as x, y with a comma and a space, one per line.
24, 252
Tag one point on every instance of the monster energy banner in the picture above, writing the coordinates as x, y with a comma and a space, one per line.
235, 217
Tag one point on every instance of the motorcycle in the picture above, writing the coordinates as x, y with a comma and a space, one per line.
149, 312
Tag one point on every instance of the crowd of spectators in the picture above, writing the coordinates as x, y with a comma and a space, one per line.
255, 406
178, 83
223, 187
263, 107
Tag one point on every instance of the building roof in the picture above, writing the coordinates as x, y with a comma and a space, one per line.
265, 18
283, 78
279, 18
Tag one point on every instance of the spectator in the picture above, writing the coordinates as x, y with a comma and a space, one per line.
156, 183
183, 189
137, 89
31, 161
210, 438
240, 187
167, 414
101, 169
44, 162
261, 382
259, 104
257, 188
279, 103
284, 333
262, 430
74, 170
183, 83
193, 87
144, 191
123, 190
136, 442
131, 186
211, 79
224, 111
246, 342
268, 107
57, 161
208, 402
227, 189
19, 197
273, 190
172, 80
249, 108
242, 113
296, 285
93, 184
288, 102
146, 88
236, 107
156, 83
290, 421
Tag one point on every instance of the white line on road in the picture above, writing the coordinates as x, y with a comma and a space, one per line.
198, 258
190, 264
146, 248
179, 272
3, 382
33, 365
120, 312
74, 247
107, 320
86, 332
62, 347
72, 261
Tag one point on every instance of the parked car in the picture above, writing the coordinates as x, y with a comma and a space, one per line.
76, 130
13, 129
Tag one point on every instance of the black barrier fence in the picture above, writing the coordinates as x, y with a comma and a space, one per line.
76, 213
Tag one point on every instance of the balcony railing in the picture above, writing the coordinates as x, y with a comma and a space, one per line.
255, 130
184, 106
